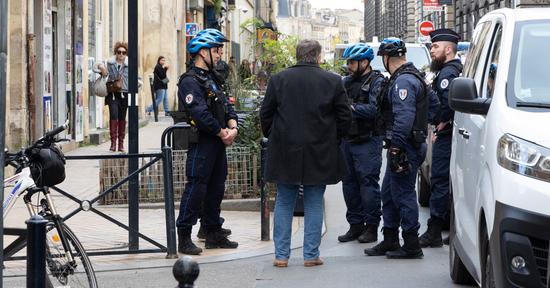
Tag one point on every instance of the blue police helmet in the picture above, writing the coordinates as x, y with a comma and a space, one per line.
202, 42
346, 52
392, 47
359, 52
214, 33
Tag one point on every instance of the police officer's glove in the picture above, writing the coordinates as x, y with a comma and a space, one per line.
399, 163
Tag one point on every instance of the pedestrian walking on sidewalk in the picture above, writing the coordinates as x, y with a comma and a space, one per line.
117, 99
215, 123
304, 114
362, 147
160, 85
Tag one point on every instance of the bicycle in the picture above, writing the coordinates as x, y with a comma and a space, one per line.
38, 167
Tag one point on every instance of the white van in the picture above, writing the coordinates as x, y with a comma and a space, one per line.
500, 162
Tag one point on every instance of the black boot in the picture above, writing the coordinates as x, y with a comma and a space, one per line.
390, 243
216, 239
432, 236
410, 249
185, 245
355, 230
370, 235
202, 232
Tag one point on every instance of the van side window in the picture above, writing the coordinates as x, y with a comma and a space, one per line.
476, 49
491, 66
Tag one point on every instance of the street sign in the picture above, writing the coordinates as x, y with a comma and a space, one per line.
426, 27
431, 5
191, 29
433, 8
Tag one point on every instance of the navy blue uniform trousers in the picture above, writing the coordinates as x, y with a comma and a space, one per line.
441, 160
399, 203
360, 187
206, 171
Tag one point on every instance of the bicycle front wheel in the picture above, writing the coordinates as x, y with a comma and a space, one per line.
62, 272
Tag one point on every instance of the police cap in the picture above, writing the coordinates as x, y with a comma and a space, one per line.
444, 35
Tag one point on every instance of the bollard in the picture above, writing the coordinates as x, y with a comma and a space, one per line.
169, 202
186, 271
36, 252
153, 96
264, 195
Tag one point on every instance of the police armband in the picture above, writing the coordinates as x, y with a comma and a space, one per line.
398, 160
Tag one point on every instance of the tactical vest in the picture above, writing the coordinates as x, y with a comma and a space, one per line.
360, 129
420, 126
215, 98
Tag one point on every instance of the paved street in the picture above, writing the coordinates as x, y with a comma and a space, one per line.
248, 266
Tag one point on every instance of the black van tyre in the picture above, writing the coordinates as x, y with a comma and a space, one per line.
85, 276
423, 189
459, 273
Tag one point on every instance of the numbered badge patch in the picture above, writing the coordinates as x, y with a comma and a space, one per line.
189, 99
403, 94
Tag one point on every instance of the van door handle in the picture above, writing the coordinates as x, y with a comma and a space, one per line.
465, 134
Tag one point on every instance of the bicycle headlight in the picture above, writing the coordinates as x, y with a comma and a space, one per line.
523, 157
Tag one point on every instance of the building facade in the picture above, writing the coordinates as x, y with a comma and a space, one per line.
53, 45
401, 18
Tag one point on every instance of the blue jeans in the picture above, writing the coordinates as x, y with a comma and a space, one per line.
360, 186
313, 219
441, 160
160, 96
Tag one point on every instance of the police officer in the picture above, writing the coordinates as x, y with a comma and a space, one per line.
219, 78
362, 147
446, 66
206, 165
408, 115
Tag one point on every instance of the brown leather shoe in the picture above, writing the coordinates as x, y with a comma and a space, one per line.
314, 262
280, 263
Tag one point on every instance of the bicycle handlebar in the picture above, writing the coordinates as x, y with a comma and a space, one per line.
20, 155
55, 131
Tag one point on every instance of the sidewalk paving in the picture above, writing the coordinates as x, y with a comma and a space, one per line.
97, 233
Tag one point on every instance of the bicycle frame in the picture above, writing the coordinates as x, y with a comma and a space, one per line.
20, 183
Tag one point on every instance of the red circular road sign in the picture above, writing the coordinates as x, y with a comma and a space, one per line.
426, 27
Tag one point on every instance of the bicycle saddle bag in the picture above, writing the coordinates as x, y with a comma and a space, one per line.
47, 166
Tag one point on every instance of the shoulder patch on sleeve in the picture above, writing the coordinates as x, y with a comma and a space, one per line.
402, 94
444, 83
189, 98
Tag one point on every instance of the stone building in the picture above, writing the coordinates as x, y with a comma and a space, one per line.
53, 45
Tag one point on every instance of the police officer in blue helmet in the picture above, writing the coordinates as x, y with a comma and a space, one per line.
215, 123
446, 67
219, 76
362, 147
407, 122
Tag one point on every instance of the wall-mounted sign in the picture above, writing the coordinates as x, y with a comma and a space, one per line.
191, 29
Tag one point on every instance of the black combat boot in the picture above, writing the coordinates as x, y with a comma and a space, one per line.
432, 236
202, 232
370, 235
410, 249
390, 243
185, 245
216, 239
355, 230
